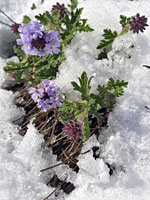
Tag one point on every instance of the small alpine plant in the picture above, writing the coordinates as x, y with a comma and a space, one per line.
47, 95
75, 115
40, 44
35, 41
134, 24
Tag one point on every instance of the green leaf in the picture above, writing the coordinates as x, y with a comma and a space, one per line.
102, 55
67, 111
84, 87
26, 19
73, 4
42, 19
117, 86
94, 111
124, 20
76, 86
109, 37
20, 53
33, 7
84, 27
73, 24
107, 94
85, 129
49, 17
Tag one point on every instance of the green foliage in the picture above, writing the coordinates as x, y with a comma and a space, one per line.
109, 37
73, 4
91, 103
102, 55
19, 52
33, 6
51, 21
74, 24
106, 43
33, 69
69, 25
76, 110
107, 94
42, 19
124, 20
116, 87
84, 87
26, 19
71, 110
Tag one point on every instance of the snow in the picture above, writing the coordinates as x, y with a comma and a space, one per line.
126, 142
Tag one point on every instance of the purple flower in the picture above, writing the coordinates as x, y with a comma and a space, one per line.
73, 129
35, 93
61, 8
47, 95
35, 41
44, 105
138, 23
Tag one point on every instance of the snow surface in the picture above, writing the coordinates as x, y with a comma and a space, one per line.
126, 142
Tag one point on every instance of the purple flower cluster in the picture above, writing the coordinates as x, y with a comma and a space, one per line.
73, 129
47, 95
37, 42
61, 8
138, 23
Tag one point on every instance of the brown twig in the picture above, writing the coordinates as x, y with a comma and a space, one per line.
55, 165
7, 16
54, 127
58, 187
86, 152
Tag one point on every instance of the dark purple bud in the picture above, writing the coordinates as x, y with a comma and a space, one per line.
73, 129
138, 23
14, 28
39, 43
60, 7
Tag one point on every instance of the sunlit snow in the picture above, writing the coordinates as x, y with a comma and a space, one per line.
126, 142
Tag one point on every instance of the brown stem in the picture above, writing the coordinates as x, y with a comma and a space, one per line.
54, 166
7, 16
59, 186
54, 127
63, 161
5, 24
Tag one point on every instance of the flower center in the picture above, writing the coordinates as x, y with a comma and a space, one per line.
39, 43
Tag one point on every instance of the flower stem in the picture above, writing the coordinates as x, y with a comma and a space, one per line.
5, 24
124, 30
7, 16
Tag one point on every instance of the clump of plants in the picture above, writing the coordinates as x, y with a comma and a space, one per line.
65, 124
75, 114
134, 24
40, 42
